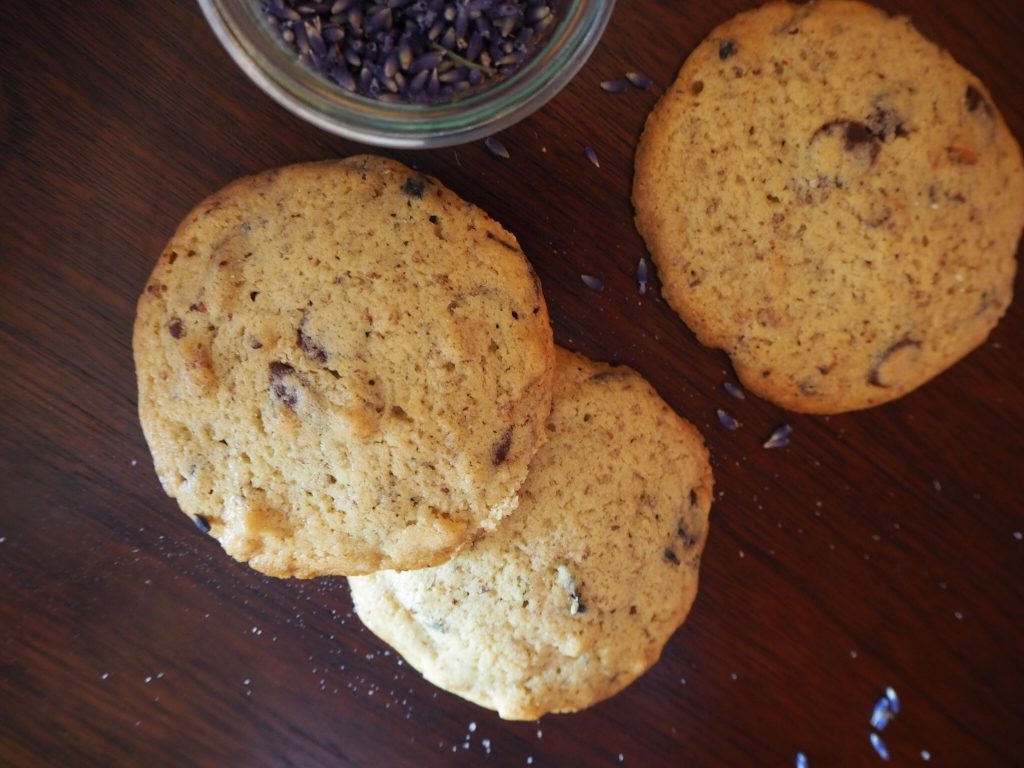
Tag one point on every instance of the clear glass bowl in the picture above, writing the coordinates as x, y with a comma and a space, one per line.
242, 28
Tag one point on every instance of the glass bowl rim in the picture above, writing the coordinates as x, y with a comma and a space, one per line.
242, 30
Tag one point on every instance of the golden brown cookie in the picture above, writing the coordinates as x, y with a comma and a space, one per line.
575, 594
833, 200
342, 367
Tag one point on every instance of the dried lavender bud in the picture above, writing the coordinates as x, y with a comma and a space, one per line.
592, 282
641, 81
641, 276
727, 420
779, 437
396, 40
591, 156
733, 390
202, 523
496, 148
613, 86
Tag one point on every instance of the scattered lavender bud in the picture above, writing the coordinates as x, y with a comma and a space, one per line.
641, 276
779, 437
893, 699
881, 715
496, 148
733, 390
591, 156
613, 86
801, 760
879, 745
641, 81
726, 419
592, 282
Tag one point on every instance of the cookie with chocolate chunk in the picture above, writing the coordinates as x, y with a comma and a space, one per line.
342, 366
574, 595
830, 198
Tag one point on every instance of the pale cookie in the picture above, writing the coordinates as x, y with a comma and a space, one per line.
342, 367
574, 596
833, 200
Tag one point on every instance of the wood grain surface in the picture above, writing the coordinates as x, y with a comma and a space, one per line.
881, 548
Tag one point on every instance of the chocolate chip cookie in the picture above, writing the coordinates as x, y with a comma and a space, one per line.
342, 366
833, 200
576, 593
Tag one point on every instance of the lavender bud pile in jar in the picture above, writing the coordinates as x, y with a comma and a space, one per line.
412, 50
409, 73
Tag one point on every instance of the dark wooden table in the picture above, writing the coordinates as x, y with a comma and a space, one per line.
881, 548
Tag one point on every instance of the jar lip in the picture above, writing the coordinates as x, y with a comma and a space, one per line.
241, 29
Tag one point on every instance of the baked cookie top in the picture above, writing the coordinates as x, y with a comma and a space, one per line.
833, 200
573, 596
342, 367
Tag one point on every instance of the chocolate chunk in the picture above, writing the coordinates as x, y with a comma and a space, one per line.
279, 386
176, 328
500, 452
310, 347
414, 187
202, 523
726, 49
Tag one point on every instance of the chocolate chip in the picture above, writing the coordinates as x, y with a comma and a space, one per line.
684, 535
414, 187
310, 347
176, 328
885, 122
974, 99
500, 452
858, 134
202, 523
697, 87
279, 388
875, 374
855, 136
502, 242
726, 49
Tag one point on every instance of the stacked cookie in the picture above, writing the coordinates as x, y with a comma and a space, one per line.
345, 369
833, 200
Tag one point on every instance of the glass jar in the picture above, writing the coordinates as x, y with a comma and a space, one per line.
243, 29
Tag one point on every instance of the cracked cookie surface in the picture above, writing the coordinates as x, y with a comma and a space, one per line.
342, 366
832, 200
575, 594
